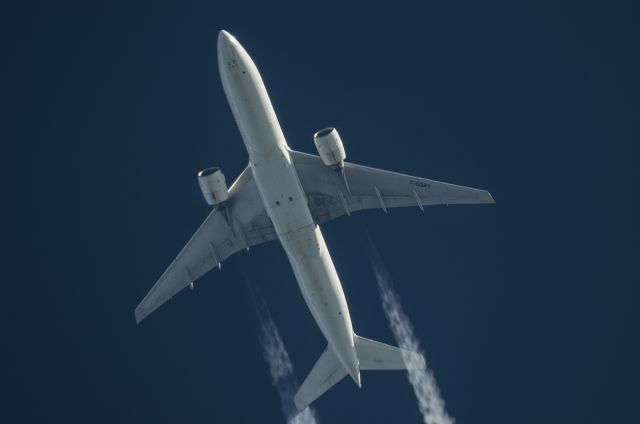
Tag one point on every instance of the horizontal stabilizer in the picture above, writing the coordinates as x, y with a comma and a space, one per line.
371, 355
374, 355
325, 373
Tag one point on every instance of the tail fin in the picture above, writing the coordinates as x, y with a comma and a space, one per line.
371, 355
374, 355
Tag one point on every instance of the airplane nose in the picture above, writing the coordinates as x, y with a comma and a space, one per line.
226, 48
224, 36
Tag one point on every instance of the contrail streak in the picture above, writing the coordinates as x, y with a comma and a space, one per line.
280, 367
424, 384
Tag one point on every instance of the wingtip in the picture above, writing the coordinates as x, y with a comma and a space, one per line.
139, 316
298, 403
423, 362
491, 199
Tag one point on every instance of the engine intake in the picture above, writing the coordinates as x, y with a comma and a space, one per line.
213, 185
330, 147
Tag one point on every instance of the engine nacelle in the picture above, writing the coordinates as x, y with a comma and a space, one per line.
330, 147
213, 185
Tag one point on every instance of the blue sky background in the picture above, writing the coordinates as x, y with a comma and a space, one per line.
526, 309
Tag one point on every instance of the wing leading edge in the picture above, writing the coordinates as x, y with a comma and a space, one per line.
242, 224
332, 194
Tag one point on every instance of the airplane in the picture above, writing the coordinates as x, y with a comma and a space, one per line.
286, 195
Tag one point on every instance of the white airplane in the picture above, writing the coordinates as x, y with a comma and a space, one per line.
283, 194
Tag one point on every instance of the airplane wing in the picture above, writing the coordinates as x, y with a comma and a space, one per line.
243, 223
332, 194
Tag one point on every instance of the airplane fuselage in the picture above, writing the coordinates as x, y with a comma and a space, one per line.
285, 201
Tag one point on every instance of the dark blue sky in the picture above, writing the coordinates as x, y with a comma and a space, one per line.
526, 309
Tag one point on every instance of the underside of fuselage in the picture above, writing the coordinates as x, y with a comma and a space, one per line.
285, 201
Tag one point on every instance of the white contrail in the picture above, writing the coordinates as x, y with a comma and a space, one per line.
280, 367
424, 384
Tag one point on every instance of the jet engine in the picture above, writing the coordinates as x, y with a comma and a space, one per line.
330, 148
213, 186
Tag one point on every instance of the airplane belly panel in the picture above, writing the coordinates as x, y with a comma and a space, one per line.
321, 289
281, 193
285, 201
